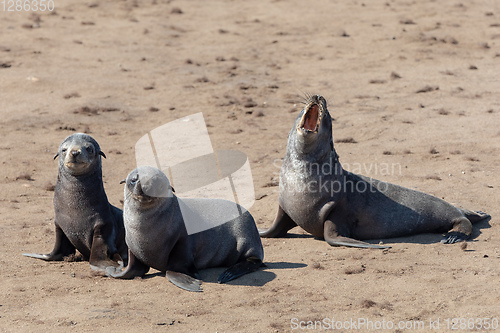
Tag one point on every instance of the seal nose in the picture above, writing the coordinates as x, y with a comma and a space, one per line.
137, 190
317, 99
135, 182
75, 153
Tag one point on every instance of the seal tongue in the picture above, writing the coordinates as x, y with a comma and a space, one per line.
310, 119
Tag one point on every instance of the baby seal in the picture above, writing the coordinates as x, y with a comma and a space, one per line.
343, 208
157, 237
84, 219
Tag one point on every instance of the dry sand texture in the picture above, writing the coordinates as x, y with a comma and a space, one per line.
414, 90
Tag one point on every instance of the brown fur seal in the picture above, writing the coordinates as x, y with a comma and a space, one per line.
157, 237
317, 194
84, 218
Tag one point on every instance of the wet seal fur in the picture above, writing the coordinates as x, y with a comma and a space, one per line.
343, 208
84, 219
157, 237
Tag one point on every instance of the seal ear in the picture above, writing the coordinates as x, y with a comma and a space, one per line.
102, 154
123, 181
173, 189
56, 155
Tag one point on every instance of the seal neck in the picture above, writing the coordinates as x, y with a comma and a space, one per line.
318, 146
90, 179
315, 157
79, 191
151, 218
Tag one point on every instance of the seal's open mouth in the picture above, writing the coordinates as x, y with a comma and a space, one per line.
311, 119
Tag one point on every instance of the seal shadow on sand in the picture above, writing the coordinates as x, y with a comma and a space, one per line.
257, 279
424, 238
432, 238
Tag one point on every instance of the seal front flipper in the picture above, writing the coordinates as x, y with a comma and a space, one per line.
239, 269
100, 253
282, 223
184, 281
102, 266
135, 268
62, 248
344, 241
45, 257
332, 237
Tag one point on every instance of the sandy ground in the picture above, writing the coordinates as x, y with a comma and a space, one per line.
413, 87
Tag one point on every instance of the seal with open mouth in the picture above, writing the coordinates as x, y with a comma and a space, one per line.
157, 237
84, 218
343, 208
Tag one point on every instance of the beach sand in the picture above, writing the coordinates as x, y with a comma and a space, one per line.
413, 90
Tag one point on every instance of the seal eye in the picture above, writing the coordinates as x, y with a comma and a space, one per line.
134, 179
64, 150
90, 150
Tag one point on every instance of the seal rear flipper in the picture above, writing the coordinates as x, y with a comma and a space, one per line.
244, 267
474, 216
332, 237
282, 223
454, 237
134, 268
461, 231
184, 281
62, 248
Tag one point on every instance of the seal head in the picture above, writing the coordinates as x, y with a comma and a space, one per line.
79, 153
147, 188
